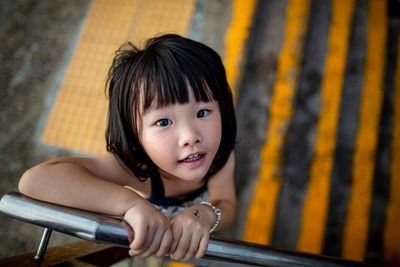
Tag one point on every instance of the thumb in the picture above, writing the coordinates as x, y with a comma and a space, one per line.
131, 233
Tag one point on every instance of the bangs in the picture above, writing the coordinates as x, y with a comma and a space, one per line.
169, 78
158, 94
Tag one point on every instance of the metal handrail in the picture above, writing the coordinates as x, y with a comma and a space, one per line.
100, 228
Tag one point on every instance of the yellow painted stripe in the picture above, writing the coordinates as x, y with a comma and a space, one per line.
262, 209
392, 229
236, 35
315, 207
356, 227
78, 117
180, 264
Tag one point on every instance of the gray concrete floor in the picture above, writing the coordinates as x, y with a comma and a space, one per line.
36, 40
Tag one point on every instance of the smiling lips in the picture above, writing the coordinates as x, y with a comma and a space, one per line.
192, 158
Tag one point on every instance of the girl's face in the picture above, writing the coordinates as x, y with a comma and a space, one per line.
182, 139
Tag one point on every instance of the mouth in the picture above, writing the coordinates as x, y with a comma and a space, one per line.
192, 158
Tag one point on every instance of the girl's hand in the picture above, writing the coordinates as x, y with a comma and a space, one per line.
191, 233
151, 229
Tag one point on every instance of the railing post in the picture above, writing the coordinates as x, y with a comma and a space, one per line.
43, 244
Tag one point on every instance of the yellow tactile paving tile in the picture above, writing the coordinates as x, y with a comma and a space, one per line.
157, 16
261, 213
357, 221
315, 210
77, 120
109, 22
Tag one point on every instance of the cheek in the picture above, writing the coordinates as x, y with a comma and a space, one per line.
219, 134
216, 130
155, 145
146, 142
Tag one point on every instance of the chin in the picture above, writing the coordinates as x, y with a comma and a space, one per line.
191, 175
194, 177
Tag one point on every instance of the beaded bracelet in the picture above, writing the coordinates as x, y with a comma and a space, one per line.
217, 212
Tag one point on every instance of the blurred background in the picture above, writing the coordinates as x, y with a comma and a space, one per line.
317, 91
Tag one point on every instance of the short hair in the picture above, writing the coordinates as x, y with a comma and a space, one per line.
160, 74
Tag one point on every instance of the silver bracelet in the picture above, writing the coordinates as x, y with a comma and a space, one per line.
217, 212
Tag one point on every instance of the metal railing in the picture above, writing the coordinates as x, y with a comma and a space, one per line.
100, 228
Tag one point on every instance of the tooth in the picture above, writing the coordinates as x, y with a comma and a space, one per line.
192, 157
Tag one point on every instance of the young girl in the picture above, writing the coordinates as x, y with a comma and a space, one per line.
170, 139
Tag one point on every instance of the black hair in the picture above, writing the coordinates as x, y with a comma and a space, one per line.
160, 74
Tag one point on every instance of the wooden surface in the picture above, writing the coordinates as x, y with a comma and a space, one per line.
83, 253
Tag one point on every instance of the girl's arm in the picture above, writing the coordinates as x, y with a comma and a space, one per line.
93, 184
222, 194
96, 184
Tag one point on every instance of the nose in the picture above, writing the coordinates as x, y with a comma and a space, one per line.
189, 135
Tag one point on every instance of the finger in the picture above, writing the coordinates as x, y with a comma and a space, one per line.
132, 253
176, 235
154, 244
166, 243
193, 247
151, 233
131, 233
182, 247
202, 246
139, 238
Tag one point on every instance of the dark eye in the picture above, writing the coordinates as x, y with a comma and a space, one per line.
163, 122
203, 113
